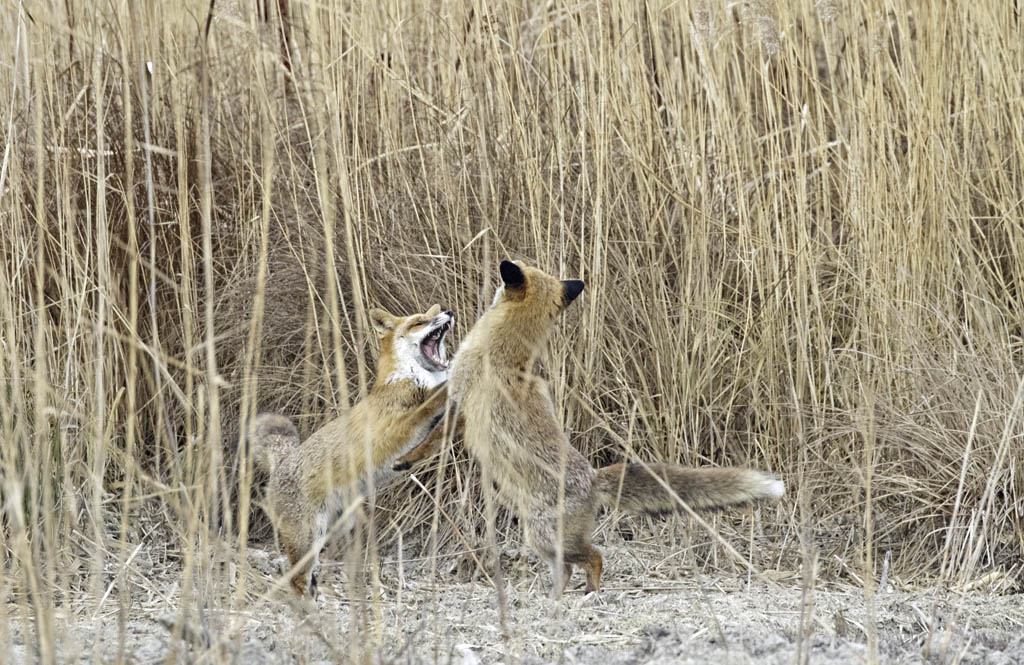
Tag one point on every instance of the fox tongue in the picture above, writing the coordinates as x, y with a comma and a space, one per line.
430, 349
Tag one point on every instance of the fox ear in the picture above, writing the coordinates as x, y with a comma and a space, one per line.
512, 275
572, 288
382, 321
433, 311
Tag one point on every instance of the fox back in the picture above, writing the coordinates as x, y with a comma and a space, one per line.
510, 421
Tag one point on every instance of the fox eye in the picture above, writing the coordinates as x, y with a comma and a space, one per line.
418, 324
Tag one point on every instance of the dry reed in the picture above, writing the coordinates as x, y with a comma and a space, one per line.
799, 224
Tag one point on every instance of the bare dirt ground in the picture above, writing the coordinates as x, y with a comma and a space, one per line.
641, 616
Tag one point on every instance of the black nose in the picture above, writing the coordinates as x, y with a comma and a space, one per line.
450, 313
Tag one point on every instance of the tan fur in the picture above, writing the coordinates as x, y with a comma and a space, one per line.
313, 482
430, 446
634, 488
512, 430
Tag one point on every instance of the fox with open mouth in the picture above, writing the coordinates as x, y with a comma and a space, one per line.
380, 435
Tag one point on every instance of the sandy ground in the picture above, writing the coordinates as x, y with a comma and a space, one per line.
641, 616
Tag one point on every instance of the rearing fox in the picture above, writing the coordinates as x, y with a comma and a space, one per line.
512, 430
310, 483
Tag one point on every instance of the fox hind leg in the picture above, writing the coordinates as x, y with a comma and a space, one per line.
576, 551
579, 551
592, 564
297, 545
589, 559
559, 577
303, 577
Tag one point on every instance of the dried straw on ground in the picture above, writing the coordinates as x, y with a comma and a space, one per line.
799, 223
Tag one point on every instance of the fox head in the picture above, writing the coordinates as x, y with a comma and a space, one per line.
412, 347
531, 300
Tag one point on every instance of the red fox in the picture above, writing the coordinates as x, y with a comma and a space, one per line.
511, 429
310, 482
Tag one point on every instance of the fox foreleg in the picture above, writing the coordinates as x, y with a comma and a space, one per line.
424, 423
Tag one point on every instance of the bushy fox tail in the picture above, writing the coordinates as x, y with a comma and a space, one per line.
271, 437
635, 489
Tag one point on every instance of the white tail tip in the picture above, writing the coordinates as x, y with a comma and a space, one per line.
775, 488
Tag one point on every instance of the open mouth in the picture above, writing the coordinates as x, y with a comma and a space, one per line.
432, 347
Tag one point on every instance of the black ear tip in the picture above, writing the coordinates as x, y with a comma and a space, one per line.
511, 274
573, 288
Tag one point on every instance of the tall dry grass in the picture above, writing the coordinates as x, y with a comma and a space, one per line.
799, 223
